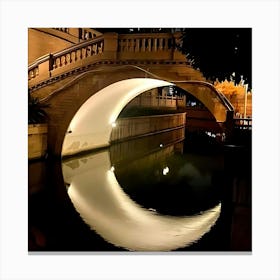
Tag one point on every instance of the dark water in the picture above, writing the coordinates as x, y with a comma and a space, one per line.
156, 193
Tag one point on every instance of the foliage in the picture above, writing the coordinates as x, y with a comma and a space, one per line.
229, 89
235, 94
36, 110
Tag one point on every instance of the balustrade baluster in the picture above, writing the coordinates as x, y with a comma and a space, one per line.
100, 48
131, 45
73, 56
155, 44
67, 58
63, 60
79, 54
89, 51
84, 53
94, 49
143, 48
126, 44
149, 44
137, 45
161, 44
31, 74
58, 62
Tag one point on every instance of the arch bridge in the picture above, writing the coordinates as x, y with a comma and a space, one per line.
88, 84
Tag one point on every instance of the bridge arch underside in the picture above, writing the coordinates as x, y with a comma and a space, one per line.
92, 125
84, 104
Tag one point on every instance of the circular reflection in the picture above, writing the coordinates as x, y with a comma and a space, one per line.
107, 209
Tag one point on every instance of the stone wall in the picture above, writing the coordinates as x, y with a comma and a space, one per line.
238, 102
41, 43
37, 140
128, 128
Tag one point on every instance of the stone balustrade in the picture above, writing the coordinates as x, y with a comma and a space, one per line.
39, 68
145, 43
77, 53
81, 33
33, 72
88, 33
109, 47
62, 29
46, 67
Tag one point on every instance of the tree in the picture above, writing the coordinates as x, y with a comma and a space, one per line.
36, 110
229, 88
235, 94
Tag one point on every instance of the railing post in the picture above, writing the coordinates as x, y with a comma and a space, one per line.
51, 63
177, 55
229, 126
44, 68
110, 45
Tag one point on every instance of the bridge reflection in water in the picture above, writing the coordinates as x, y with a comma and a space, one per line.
145, 194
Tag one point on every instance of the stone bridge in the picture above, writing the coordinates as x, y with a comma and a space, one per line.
89, 83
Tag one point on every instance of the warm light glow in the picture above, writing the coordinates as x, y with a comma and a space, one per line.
112, 169
161, 145
165, 170
93, 123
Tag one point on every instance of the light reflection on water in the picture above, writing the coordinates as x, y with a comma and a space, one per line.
106, 206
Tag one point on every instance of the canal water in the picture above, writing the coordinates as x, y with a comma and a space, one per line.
158, 193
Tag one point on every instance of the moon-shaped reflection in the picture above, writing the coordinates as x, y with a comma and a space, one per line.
107, 209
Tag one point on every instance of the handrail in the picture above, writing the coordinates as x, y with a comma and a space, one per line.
38, 61
221, 97
63, 52
81, 75
78, 46
135, 67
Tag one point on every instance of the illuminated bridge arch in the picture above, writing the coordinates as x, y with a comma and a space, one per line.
92, 125
83, 107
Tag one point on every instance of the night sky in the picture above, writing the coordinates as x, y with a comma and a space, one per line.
217, 52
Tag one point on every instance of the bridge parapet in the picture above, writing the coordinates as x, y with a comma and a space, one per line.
109, 48
54, 64
161, 46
